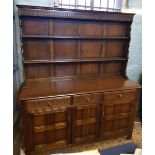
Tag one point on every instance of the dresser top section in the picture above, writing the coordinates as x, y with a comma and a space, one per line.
75, 52
26, 10
59, 87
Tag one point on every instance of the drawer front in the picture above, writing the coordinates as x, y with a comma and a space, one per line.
47, 105
87, 99
120, 96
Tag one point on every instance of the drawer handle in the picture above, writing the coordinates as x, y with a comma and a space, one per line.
49, 104
87, 99
120, 95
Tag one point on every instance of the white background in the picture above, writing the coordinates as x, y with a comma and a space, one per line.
6, 77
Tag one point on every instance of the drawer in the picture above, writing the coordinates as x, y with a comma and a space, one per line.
120, 96
87, 99
47, 104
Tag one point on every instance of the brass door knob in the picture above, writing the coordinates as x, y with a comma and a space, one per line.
49, 104
87, 99
120, 95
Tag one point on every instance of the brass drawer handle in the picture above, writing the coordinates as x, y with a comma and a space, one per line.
87, 99
120, 95
49, 104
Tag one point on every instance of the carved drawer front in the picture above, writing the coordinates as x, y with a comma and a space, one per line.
86, 109
120, 96
47, 105
49, 122
87, 99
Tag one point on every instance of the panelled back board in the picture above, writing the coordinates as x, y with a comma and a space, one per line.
76, 89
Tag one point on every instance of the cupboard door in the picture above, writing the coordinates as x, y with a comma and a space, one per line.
117, 116
49, 123
85, 121
54, 132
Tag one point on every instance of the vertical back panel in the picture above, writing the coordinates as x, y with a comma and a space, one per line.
35, 26
68, 69
33, 71
116, 30
64, 49
91, 49
36, 50
64, 27
91, 28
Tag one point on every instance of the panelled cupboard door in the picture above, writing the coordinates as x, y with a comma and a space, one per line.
49, 123
117, 114
85, 120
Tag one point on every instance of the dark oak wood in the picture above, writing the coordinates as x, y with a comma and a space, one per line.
44, 88
73, 37
76, 89
74, 60
72, 14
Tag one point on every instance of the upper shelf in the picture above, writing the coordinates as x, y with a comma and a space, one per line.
74, 37
74, 60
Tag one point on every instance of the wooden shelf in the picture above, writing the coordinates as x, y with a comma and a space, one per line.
50, 88
73, 60
73, 37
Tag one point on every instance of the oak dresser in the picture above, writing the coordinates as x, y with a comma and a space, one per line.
76, 89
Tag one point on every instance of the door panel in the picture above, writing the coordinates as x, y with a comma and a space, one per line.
32, 26
117, 113
86, 112
85, 125
50, 128
49, 122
